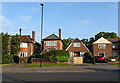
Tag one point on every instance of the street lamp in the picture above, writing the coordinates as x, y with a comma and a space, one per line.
41, 32
20, 30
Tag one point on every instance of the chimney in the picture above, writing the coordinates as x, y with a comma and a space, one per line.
60, 33
33, 35
20, 30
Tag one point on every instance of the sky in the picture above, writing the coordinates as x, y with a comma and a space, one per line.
76, 19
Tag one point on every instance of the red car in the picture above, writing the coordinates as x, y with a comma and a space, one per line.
101, 59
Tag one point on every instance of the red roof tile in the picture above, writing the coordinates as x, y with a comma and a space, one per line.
113, 39
25, 38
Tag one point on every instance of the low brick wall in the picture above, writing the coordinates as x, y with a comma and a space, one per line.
37, 60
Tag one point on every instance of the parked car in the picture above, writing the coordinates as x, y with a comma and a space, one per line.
100, 59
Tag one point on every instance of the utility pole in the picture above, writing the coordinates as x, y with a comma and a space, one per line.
41, 34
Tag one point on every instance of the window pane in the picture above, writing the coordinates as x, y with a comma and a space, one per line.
101, 46
76, 44
51, 43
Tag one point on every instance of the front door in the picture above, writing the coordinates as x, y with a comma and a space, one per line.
76, 54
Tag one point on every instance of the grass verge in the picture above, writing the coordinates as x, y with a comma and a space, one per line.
44, 65
114, 63
1, 65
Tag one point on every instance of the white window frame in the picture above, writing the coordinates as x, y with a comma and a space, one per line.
23, 45
51, 43
23, 54
102, 47
76, 44
71, 54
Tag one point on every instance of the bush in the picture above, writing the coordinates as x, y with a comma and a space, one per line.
57, 55
7, 59
62, 58
88, 55
53, 58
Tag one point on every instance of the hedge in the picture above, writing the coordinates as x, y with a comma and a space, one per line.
57, 55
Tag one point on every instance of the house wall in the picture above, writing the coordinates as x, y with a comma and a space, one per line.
29, 49
59, 44
108, 50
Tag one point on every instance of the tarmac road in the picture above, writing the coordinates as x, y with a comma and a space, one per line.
72, 73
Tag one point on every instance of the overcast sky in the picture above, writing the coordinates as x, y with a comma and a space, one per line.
76, 19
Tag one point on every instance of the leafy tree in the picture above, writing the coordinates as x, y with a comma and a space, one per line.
15, 43
106, 35
85, 41
66, 42
5, 43
6, 57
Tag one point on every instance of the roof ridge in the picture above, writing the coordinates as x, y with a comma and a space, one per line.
52, 36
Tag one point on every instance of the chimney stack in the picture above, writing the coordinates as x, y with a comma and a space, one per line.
20, 30
60, 33
33, 35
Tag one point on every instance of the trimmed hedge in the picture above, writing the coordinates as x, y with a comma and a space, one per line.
57, 55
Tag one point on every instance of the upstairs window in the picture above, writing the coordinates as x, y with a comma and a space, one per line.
101, 46
23, 45
115, 46
51, 43
76, 44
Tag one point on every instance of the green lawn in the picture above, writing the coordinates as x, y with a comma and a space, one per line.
1, 65
44, 65
114, 63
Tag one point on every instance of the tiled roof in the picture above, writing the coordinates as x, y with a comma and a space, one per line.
25, 38
76, 40
102, 40
113, 39
52, 37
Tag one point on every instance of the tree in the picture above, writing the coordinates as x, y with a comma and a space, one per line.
66, 42
6, 57
15, 43
106, 35
85, 41
5, 43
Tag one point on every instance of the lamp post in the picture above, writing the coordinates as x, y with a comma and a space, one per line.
41, 32
20, 30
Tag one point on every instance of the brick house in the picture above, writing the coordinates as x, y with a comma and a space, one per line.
77, 48
115, 46
52, 42
102, 47
28, 46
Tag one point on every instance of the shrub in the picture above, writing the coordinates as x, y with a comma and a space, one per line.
53, 58
7, 59
57, 55
88, 55
62, 58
